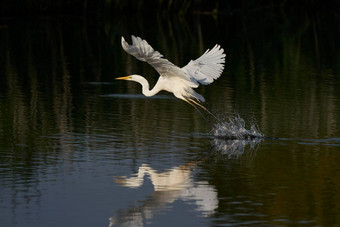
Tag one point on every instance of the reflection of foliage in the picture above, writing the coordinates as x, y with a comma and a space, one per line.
266, 184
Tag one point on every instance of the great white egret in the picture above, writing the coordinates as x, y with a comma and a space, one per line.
179, 81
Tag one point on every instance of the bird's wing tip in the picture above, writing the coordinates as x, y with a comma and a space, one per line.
123, 41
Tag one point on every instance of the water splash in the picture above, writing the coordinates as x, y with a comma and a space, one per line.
235, 129
231, 137
233, 149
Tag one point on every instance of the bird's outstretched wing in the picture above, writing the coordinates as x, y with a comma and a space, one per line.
144, 52
207, 67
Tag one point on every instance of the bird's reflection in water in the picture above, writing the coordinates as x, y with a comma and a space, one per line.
169, 186
178, 183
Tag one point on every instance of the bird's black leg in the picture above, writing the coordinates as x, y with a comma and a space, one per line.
196, 109
193, 101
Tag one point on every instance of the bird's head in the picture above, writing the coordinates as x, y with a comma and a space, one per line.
136, 78
124, 78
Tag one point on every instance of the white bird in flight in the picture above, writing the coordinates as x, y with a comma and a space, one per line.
179, 81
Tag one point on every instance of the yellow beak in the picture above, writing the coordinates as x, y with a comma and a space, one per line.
123, 78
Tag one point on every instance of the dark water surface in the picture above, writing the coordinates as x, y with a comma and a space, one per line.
78, 148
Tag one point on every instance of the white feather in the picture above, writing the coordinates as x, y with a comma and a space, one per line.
208, 67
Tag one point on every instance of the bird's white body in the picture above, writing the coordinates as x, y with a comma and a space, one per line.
171, 84
180, 81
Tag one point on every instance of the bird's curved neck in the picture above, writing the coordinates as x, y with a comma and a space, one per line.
146, 87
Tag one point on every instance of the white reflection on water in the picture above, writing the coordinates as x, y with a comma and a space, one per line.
169, 186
